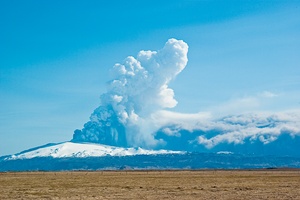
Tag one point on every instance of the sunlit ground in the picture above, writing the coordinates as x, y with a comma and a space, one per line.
246, 184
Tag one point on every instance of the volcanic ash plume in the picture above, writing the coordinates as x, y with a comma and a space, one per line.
139, 87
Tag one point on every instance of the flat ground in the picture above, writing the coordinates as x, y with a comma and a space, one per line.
261, 184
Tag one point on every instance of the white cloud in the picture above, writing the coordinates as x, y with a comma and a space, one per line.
268, 94
264, 127
183, 120
245, 104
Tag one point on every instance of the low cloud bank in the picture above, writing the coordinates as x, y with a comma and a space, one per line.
251, 133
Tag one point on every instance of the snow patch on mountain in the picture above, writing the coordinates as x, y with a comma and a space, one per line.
80, 150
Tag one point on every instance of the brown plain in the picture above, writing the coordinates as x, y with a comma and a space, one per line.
205, 184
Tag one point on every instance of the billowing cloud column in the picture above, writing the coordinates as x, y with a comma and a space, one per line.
139, 87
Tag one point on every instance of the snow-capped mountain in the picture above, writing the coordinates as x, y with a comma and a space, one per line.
80, 150
90, 156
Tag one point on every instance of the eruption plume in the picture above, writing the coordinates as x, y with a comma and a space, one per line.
139, 88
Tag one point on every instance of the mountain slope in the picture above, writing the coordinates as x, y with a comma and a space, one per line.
80, 150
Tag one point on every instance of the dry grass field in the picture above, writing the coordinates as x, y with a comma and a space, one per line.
261, 184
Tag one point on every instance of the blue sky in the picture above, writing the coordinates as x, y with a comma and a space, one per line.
55, 59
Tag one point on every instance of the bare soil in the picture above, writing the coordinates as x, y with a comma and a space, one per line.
209, 184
